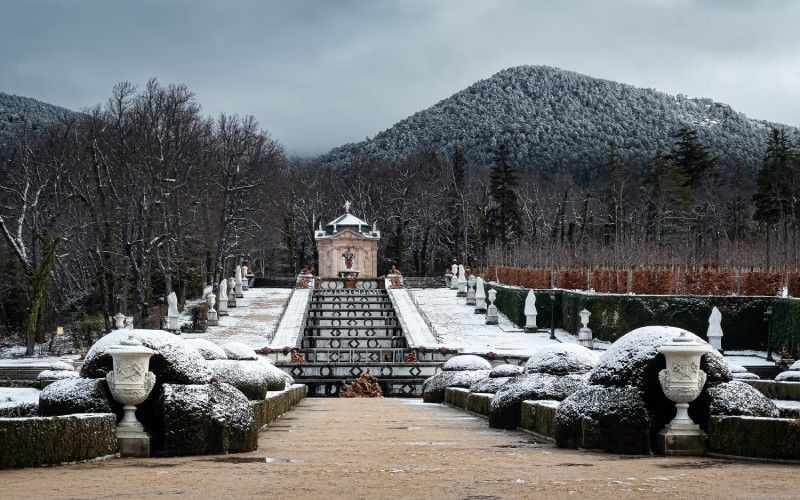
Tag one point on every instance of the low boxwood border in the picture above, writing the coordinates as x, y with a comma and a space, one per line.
30, 441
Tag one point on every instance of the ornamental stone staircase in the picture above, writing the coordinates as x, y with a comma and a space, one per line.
348, 331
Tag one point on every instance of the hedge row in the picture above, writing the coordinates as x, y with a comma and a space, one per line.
614, 315
51, 440
650, 281
776, 438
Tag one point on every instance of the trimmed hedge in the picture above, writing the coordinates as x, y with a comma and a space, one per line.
776, 438
276, 404
615, 315
34, 441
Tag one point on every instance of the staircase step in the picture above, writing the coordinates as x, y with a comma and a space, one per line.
398, 341
345, 322
355, 356
337, 371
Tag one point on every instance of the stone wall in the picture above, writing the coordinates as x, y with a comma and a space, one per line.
34, 441
330, 250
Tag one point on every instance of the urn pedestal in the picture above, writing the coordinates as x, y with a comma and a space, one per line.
491, 312
471, 301
130, 383
682, 382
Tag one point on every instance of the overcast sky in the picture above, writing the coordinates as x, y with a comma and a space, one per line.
318, 74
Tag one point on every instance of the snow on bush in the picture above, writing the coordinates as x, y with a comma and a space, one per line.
176, 360
561, 359
433, 388
504, 410
745, 376
505, 371
634, 360
736, 368
795, 366
56, 374
789, 376
613, 419
77, 395
253, 378
489, 385
466, 362
237, 350
212, 418
61, 365
18, 402
740, 399
208, 349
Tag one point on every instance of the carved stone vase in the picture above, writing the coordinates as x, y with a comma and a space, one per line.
682, 382
130, 383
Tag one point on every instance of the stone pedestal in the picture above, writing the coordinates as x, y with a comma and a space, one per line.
530, 323
133, 444
471, 301
682, 440
491, 315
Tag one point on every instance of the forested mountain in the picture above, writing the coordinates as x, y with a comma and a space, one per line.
550, 118
18, 113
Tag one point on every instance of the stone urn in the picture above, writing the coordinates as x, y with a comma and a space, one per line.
130, 383
682, 382
471, 301
585, 333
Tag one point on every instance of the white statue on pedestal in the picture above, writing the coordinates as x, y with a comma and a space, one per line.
231, 293
491, 311
211, 319
462, 281
223, 298
714, 332
245, 278
585, 333
530, 312
237, 282
173, 316
454, 279
480, 296
471, 290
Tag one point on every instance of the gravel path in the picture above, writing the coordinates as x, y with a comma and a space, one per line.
368, 448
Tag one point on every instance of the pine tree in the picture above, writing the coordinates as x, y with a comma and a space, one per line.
692, 156
504, 216
772, 182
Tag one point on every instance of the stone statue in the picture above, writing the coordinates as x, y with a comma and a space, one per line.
347, 205
454, 278
714, 332
222, 310
173, 316
471, 290
462, 281
530, 312
212, 318
237, 282
480, 296
492, 318
348, 258
231, 292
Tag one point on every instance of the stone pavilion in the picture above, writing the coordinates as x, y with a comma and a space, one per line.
347, 245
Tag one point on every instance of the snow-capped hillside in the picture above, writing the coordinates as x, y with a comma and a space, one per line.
18, 113
552, 118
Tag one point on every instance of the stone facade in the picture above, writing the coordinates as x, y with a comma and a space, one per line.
331, 248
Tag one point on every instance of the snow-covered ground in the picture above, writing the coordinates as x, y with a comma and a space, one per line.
457, 326
748, 358
253, 320
787, 404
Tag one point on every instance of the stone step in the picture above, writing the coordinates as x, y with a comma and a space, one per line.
337, 371
397, 341
366, 330
339, 306
344, 322
355, 355
21, 372
341, 314
391, 387
350, 292
350, 299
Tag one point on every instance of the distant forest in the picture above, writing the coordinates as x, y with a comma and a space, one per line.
113, 208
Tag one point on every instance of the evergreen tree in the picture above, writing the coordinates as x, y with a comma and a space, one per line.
772, 182
613, 185
692, 156
503, 215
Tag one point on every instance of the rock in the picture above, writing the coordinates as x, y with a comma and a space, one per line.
466, 362
612, 419
252, 378
789, 376
77, 395
634, 361
56, 375
433, 388
504, 412
207, 349
176, 361
505, 371
203, 419
239, 351
488, 385
562, 359
740, 399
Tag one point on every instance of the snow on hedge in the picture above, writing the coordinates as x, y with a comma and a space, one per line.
466, 362
56, 374
789, 376
176, 360
253, 378
77, 395
561, 359
433, 388
489, 385
634, 359
61, 365
740, 399
239, 351
208, 349
505, 371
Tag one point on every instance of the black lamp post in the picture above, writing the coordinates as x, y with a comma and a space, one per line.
552, 315
768, 321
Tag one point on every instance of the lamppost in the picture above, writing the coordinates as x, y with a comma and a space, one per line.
552, 315
768, 321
